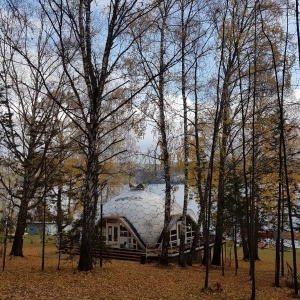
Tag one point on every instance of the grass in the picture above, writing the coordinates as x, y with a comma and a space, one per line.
37, 239
23, 278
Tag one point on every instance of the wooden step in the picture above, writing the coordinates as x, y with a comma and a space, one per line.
112, 253
122, 254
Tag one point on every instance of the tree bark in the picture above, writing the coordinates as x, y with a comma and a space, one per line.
164, 260
17, 246
184, 29
59, 212
89, 208
216, 260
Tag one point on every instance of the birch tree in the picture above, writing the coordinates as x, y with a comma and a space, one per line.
193, 34
91, 39
157, 54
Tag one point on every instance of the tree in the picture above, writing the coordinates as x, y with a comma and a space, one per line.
164, 10
283, 165
91, 53
65, 189
157, 55
31, 120
238, 38
187, 13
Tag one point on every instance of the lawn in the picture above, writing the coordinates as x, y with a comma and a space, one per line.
23, 278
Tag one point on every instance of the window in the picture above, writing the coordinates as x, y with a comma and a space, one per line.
109, 233
115, 233
178, 230
104, 231
123, 231
173, 238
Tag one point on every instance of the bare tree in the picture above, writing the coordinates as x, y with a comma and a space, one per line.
29, 127
283, 163
157, 55
187, 13
91, 39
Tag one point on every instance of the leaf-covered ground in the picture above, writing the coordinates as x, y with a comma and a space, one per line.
23, 279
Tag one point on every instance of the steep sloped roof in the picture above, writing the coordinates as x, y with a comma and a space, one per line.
144, 210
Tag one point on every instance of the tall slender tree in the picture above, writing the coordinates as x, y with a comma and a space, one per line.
283, 165
188, 11
91, 53
157, 55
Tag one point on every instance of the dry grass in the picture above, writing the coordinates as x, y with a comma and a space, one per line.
23, 279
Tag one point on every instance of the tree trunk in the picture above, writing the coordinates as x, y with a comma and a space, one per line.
256, 239
17, 246
181, 258
164, 257
164, 260
245, 245
60, 215
166, 232
195, 244
236, 262
89, 207
198, 172
216, 260
94, 90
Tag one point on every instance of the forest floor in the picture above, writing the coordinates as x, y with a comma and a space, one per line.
120, 280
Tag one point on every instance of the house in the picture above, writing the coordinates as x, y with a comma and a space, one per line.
37, 228
134, 220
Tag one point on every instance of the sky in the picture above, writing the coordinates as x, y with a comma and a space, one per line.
173, 117
148, 142
178, 194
